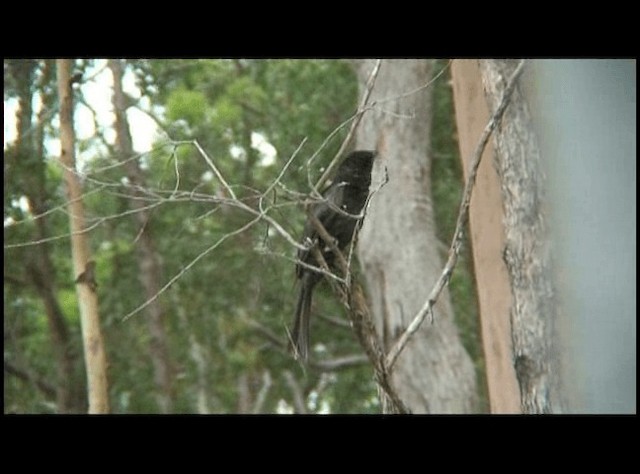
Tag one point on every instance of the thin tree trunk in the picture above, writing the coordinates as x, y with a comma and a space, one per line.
29, 149
94, 352
488, 239
398, 246
199, 357
150, 267
526, 251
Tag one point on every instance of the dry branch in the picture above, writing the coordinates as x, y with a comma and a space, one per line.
463, 215
354, 124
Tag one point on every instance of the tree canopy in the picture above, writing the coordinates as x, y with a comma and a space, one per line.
231, 299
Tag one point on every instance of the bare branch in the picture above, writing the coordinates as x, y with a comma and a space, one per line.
191, 264
283, 171
454, 250
61, 207
366, 331
334, 321
417, 89
262, 393
98, 222
340, 363
267, 333
26, 375
296, 392
215, 169
354, 124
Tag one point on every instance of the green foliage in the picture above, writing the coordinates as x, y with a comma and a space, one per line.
211, 311
221, 103
187, 105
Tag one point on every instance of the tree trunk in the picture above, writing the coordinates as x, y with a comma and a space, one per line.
29, 151
526, 250
150, 267
488, 239
94, 352
398, 244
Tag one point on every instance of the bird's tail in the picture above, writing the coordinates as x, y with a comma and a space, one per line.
300, 334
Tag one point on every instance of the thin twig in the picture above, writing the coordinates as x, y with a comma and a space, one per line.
62, 206
366, 331
417, 89
283, 170
267, 333
261, 214
97, 223
338, 363
463, 214
262, 393
215, 170
189, 265
354, 125
296, 392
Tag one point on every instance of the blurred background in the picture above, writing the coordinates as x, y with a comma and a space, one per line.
215, 340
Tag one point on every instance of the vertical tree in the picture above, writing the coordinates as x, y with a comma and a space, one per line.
398, 246
526, 252
94, 351
26, 175
149, 266
521, 278
487, 235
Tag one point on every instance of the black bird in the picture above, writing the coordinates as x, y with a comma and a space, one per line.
348, 192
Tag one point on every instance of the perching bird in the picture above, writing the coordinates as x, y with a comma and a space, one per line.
89, 276
348, 191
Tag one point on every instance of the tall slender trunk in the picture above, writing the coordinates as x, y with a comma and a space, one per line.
149, 265
29, 151
94, 351
526, 250
487, 237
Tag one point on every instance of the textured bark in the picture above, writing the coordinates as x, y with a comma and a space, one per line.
94, 352
398, 246
150, 267
488, 240
526, 250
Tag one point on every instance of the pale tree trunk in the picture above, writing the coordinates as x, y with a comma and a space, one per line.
488, 239
398, 247
526, 243
94, 351
29, 149
149, 265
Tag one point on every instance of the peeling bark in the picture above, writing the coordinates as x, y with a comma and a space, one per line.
526, 251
